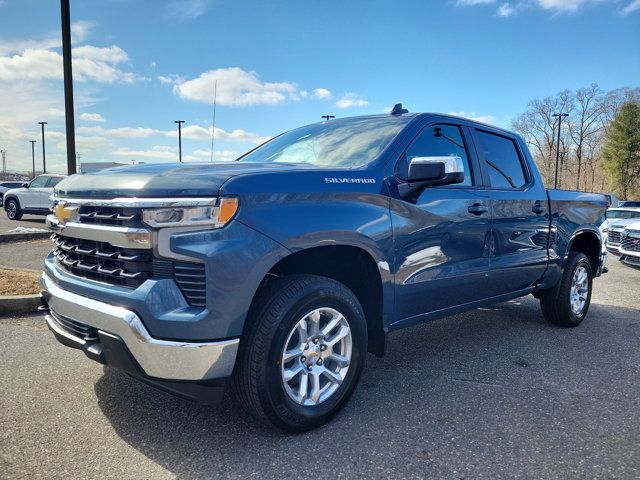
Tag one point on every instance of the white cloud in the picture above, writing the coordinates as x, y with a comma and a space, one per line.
196, 132
79, 32
506, 10
471, 3
169, 79
89, 63
473, 116
224, 155
185, 10
322, 93
122, 132
236, 87
349, 100
164, 152
631, 7
92, 117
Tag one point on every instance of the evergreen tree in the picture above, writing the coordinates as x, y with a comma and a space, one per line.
622, 151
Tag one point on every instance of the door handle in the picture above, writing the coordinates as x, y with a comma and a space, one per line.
478, 209
538, 209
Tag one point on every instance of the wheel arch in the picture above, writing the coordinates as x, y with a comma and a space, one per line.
587, 241
350, 265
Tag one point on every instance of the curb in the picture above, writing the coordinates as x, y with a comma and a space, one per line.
17, 304
21, 237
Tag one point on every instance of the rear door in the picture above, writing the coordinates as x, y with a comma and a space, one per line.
440, 235
519, 213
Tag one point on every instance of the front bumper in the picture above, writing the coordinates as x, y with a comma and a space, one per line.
156, 358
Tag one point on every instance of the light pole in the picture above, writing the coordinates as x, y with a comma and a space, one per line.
328, 117
559, 115
44, 162
33, 156
179, 122
68, 86
4, 164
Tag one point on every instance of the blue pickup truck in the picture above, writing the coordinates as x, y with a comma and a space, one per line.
279, 272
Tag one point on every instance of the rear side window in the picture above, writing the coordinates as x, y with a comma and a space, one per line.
438, 141
503, 162
53, 181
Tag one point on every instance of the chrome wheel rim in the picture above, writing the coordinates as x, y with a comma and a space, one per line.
11, 209
579, 290
316, 356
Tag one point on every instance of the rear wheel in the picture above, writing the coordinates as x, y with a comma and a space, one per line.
302, 355
13, 209
568, 302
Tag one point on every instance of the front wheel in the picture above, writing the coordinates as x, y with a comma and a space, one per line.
568, 302
13, 209
302, 353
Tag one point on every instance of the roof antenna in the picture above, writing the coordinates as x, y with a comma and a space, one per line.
398, 110
213, 119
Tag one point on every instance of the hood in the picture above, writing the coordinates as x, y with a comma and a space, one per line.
161, 180
622, 224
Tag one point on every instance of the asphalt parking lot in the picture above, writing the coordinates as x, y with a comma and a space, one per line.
27, 221
492, 393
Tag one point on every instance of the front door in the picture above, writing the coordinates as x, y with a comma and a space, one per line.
33, 196
519, 212
441, 235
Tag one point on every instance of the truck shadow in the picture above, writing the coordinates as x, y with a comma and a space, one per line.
457, 384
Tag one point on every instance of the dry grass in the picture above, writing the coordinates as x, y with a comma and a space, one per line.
19, 282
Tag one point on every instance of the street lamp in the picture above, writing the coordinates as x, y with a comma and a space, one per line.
33, 156
44, 162
559, 115
68, 86
179, 122
328, 117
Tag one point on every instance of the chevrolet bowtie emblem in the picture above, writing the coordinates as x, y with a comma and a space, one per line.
63, 214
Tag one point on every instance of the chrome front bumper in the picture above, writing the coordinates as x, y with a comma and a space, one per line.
162, 359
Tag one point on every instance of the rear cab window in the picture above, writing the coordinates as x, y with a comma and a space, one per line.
503, 162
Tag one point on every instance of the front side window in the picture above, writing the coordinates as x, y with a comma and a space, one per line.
337, 143
39, 182
438, 141
503, 161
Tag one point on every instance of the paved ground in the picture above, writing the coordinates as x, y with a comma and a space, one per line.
493, 393
24, 254
29, 221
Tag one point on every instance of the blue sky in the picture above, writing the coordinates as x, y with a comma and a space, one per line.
140, 65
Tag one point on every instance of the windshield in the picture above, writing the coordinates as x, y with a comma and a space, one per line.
338, 143
623, 214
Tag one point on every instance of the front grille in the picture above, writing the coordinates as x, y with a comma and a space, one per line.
613, 238
630, 260
103, 262
76, 329
630, 244
128, 267
115, 216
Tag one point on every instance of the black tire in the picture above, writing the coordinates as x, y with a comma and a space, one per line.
556, 303
12, 207
257, 378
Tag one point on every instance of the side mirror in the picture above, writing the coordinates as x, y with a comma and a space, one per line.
431, 171
25, 185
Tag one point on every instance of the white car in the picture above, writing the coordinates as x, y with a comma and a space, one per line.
32, 197
612, 227
630, 245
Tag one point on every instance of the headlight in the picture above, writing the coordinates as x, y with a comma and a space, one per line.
216, 215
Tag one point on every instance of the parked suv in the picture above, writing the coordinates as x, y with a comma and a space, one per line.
280, 271
31, 198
